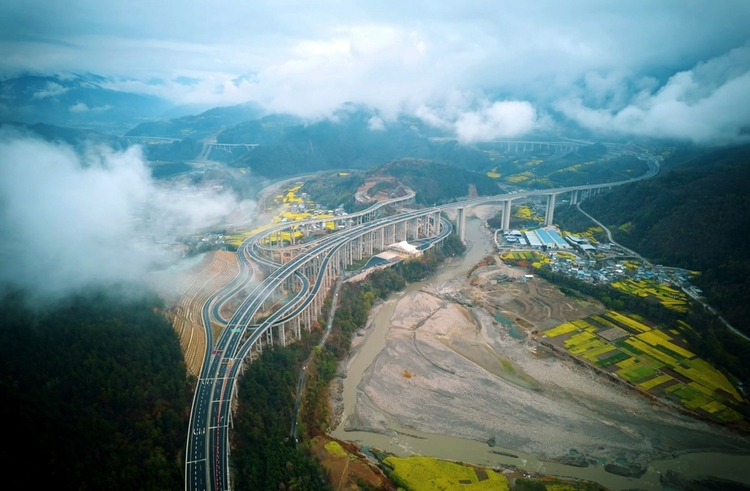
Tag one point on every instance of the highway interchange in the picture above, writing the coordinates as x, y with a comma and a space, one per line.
207, 452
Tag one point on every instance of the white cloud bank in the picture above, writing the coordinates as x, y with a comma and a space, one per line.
601, 63
507, 119
710, 102
71, 221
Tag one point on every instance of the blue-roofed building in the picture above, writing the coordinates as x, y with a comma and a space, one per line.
544, 238
559, 241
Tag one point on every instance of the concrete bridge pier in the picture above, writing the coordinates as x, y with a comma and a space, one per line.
461, 223
282, 335
506, 214
549, 216
368, 243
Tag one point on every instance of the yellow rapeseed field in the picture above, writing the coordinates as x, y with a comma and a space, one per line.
428, 474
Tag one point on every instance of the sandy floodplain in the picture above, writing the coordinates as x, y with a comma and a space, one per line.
449, 367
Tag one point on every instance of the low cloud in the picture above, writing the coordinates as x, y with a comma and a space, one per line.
708, 103
375, 124
71, 221
82, 108
78, 108
52, 89
476, 121
506, 119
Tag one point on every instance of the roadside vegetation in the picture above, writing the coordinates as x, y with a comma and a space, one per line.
436, 183
354, 303
264, 456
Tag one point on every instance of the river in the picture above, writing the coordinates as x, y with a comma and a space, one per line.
408, 441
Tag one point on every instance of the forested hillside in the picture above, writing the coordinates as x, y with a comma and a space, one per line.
697, 216
436, 183
433, 183
95, 390
348, 143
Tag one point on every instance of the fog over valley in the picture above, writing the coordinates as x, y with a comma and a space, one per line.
73, 220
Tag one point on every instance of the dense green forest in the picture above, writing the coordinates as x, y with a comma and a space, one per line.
693, 216
97, 390
347, 143
264, 456
186, 149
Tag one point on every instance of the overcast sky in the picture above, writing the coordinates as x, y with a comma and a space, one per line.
487, 69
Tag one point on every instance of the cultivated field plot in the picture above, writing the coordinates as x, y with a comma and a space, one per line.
671, 298
285, 202
525, 258
428, 473
654, 360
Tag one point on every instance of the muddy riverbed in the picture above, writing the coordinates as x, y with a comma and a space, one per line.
435, 373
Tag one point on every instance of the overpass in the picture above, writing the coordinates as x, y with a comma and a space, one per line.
291, 297
208, 147
577, 194
516, 146
288, 300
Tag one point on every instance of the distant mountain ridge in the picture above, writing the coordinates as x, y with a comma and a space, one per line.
75, 100
201, 125
355, 136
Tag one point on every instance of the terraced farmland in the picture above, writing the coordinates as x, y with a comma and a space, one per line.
652, 359
193, 291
